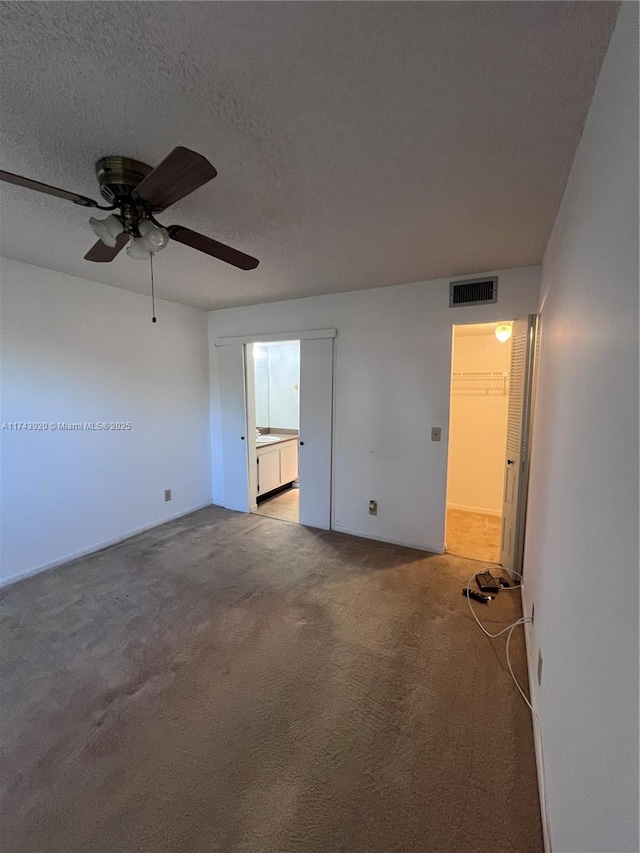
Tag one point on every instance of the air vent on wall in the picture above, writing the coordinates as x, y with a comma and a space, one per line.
473, 291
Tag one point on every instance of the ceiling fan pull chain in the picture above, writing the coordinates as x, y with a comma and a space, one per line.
153, 295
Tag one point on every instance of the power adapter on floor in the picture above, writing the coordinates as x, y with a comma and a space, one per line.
487, 582
478, 596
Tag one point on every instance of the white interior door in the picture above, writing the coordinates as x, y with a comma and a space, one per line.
316, 423
517, 450
234, 427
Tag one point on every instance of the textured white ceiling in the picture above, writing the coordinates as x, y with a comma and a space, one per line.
357, 144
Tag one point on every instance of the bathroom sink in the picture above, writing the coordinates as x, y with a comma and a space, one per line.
267, 439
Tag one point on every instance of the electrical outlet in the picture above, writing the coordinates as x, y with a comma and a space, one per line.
373, 507
436, 433
167, 494
539, 667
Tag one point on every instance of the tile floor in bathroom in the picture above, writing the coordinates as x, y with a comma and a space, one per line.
283, 506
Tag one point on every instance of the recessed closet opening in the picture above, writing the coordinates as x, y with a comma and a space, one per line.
479, 412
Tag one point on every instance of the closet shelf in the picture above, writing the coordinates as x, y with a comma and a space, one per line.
486, 381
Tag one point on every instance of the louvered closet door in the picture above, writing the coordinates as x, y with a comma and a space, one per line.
518, 429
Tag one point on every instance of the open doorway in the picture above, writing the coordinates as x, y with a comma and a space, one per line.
276, 368
238, 422
478, 424
493, 381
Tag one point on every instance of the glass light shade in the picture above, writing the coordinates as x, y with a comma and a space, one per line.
154, 239
107, 229
137, 250
503, 332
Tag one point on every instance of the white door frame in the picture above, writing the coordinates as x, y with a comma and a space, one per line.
279, 336
249, 388
533, 344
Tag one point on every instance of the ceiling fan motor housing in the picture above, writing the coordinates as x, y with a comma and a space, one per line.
119, 176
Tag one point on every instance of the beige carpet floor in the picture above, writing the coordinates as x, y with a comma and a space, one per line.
227, 682
474, 535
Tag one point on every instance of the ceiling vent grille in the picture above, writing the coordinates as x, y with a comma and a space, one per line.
473, 291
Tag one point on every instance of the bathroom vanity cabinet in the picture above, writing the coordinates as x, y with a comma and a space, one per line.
277, 464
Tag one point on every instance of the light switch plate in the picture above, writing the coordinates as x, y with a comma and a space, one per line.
436, 433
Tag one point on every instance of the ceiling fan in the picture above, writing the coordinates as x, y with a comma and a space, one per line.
138, 192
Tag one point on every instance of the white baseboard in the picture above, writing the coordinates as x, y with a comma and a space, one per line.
478, 509
98, 546
419, 546
531, 670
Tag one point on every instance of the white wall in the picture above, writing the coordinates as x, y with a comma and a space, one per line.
392, 378
76, 351
581, 559
478, 424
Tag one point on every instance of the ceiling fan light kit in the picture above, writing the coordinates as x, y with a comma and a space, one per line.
154, 238
137, 249
107, 230
138, 192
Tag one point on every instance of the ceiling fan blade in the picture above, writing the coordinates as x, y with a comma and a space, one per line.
19, 181
102, 254
179, 174
212, 247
